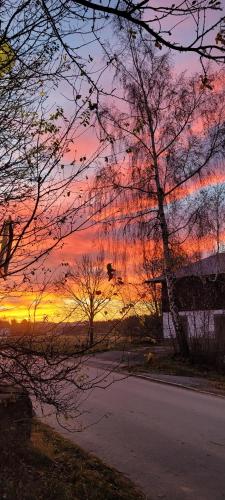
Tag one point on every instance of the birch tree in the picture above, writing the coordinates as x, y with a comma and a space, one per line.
166, 135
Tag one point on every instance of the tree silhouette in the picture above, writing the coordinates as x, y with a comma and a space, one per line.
159, 149
89, 291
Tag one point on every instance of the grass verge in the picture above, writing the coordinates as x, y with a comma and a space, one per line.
180, 367
53, 468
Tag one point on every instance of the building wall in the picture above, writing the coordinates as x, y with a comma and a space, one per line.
199, 322
195, 293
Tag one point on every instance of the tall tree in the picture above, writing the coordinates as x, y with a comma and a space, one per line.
170, 130
41, 201
38, 164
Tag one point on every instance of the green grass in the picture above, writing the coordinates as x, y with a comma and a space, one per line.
53, 468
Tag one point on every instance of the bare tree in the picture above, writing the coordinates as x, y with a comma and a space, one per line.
149, 290
168, 135
42, 197
39, 197
89, 291
62, 19
39, 359
40, 202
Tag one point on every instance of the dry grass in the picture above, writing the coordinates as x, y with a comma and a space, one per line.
55, 469
65, 344
177, 366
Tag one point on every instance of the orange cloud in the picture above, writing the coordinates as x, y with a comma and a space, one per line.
199, 182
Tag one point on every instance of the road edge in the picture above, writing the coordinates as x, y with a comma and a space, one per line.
176, 384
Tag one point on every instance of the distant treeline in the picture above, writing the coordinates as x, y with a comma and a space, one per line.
130, 326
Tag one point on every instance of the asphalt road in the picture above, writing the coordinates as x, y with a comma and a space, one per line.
168, 440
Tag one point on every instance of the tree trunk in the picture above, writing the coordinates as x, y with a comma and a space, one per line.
180, 333
91, 332
171, 280
168, 261
181, 337
91, 321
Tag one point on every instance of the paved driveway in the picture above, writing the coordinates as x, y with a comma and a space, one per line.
168, 440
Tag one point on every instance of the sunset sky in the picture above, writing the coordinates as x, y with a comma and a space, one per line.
18, 305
